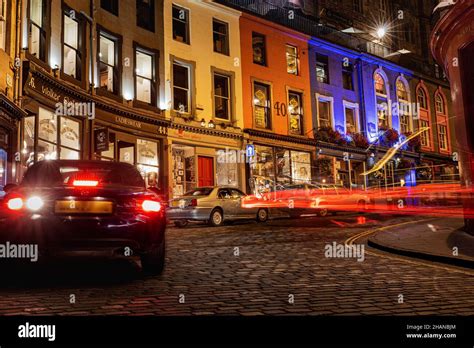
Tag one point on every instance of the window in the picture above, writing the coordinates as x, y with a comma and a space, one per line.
110, 5
380, 84
222, 109
295, 109
324, 113
108, 63
351, 125
37, 29
382, 114
292, 60
322, 68
72, 52
220, 32
146, 14
58, 137
425, 136
262, 104
403, 107
347, 76
440, 108
147, 160
180, 24
358, 5
3, 23
443, 137
259, 49
181, 88
422, 100
145, 76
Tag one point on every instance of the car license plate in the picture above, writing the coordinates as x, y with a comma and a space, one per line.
175, 204
83, 207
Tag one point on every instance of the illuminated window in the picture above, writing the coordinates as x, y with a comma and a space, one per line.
72, 51
108, 63
3, 19
325, 112
262, 103
181, 87
322, 68
425, 136
380, 84
145, 76
222, 99
295, 109
403, 107
37, 30
291, 60
347, 76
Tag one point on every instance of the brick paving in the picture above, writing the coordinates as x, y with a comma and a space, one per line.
279, 260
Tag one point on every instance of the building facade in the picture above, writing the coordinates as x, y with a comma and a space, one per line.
91, 86
203, 95
276, 104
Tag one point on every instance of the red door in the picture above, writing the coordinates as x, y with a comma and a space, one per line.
206, 171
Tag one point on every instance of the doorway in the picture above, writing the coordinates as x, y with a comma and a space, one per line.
206, 171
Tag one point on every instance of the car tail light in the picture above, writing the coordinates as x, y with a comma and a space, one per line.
15, 203
150, 206
194, 202
85, 183
34, 203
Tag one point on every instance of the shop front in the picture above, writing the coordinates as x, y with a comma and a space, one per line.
278, 161
203, 157
66, 123
10, 117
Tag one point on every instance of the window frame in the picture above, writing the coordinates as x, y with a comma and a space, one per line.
268, 108
116, 4
154, 83
151, 27
230, 102
3, 25
191, 89
187, 23
296, 58
330, 101
406, 100
117, 39
226, 36
264, 55
45, 29
348, 71
80, 51
356, 109
324, 66
300, 95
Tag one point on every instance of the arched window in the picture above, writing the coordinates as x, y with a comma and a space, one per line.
442, 122
380, 84
381, 96
404, 111
424, 116
440, 107
421, 97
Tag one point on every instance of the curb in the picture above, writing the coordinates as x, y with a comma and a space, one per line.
424, 256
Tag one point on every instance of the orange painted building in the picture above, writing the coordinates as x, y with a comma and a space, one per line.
276, 103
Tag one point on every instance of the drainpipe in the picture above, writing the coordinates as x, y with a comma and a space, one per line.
18, 39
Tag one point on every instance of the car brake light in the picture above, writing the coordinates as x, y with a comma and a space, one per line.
15, 204
151, 206
85, 183
34, 203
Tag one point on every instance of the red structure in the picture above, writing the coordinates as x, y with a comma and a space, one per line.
452, 43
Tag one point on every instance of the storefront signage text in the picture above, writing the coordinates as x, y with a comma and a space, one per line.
128, 122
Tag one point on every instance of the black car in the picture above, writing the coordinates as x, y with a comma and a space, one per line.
81, 207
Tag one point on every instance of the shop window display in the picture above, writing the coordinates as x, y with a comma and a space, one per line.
184, 169
227, 173
147, 155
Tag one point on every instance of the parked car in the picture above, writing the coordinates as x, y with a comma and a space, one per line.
98, 208
214, 205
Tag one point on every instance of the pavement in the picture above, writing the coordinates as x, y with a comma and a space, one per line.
439, 240
277, 268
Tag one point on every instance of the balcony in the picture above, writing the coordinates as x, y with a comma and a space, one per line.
306, 24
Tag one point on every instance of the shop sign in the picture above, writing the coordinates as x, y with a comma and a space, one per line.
101, 137
128, 122
250, 150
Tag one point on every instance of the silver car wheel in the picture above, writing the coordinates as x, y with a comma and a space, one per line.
262, 215
216, 218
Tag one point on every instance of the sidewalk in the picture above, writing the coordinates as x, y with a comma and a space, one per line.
431, 240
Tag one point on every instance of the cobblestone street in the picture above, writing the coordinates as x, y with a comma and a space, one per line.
277, 268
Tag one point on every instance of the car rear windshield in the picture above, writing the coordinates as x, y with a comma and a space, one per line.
200, 191
56, 174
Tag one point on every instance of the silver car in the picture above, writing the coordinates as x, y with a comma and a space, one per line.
213, 205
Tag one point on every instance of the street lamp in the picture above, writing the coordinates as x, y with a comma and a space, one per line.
381, 32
